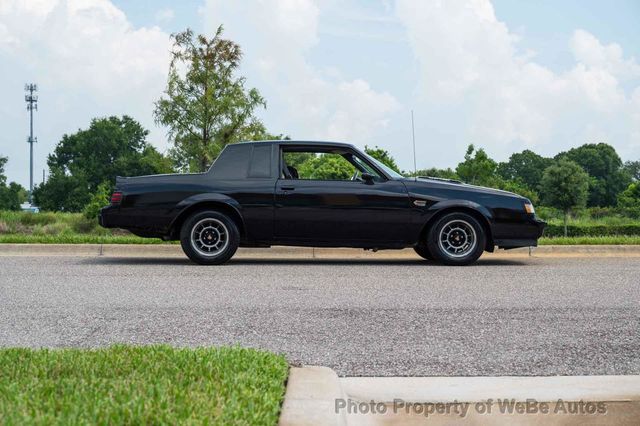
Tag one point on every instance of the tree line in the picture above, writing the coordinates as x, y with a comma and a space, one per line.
591, 175
206, 106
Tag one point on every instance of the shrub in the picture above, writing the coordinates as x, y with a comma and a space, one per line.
98, 201
553, 230
82, 225
31, 219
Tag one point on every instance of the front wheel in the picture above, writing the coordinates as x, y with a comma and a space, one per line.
456, 239
423, 251
209, 238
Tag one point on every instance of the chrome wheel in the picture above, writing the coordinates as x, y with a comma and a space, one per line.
209, 237
457, 238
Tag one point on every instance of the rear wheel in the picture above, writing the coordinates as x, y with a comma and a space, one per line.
456, 239
209, 238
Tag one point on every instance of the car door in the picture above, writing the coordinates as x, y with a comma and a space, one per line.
341, 212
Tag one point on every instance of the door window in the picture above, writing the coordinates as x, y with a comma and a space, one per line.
334, 165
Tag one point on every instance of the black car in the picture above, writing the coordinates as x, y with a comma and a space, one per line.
296, 193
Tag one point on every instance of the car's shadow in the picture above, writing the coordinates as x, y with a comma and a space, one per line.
108, 260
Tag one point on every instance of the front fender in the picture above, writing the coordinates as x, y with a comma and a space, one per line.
439, 206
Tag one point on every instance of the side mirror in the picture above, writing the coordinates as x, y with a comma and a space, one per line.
367, 178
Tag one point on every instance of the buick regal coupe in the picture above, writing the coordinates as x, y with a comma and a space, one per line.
322, 194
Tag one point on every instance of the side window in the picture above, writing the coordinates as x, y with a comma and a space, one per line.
330, 165
364, 167
318, 166
260, 162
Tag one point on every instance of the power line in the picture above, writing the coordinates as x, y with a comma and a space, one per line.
32, 104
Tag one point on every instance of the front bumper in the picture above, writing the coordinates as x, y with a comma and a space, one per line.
522, 235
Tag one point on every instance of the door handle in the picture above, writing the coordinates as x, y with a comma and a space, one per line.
287, 188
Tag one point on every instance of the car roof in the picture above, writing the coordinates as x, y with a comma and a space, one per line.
300, 142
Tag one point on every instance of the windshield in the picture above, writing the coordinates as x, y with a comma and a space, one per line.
385, 168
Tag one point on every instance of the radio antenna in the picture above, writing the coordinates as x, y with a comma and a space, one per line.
413, 134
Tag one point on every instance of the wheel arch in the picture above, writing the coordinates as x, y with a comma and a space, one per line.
217, 202
475, 210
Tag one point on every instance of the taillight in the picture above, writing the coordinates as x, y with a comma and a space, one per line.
116, 197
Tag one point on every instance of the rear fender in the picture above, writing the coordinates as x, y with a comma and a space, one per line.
207, 200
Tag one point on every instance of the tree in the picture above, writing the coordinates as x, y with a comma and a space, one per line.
477, 169
382, 156
435, 172
62, 192
633, 169
630, 197
602, 163
82, 161
12, 195
565, 186
326, 167
206, 105
526, 167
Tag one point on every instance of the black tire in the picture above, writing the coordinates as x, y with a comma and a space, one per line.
423, 251
209, 237
456, 239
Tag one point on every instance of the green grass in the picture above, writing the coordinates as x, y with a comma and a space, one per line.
141, 385
78, 239
612, 240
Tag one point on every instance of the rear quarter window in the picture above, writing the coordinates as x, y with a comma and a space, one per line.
233, 162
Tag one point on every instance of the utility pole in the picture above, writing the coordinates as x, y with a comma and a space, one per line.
32, 104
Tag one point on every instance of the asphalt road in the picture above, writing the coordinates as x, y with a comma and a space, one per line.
525, 316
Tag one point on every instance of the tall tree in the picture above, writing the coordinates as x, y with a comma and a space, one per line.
383, 156
602, 163
565, 186
477, 168
12, 195
633, 169
526, 167
82, 161
206, 105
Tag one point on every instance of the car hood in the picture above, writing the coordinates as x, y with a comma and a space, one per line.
455, 185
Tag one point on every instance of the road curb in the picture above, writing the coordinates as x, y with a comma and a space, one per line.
310, 398
315, 395
280, 252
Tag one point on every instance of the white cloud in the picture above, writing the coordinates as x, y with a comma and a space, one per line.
165, 15
88, 60
589, 51
276, 37
497, 97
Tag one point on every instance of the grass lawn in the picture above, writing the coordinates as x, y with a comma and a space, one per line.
141, 385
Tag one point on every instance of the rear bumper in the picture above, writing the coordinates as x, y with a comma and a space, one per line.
109, 217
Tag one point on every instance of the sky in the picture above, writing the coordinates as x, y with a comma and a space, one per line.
505, 75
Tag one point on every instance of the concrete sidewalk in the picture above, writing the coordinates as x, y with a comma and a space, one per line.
279, 252
317, 396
